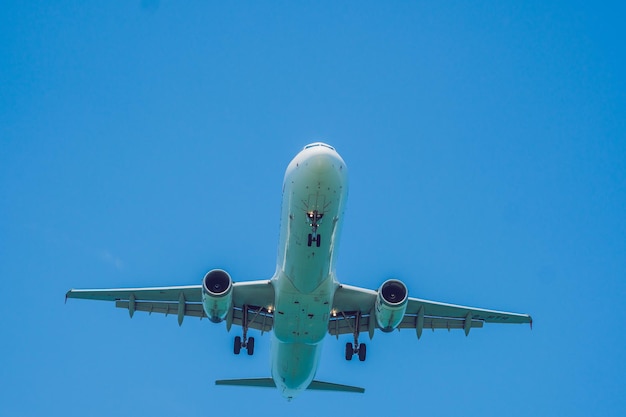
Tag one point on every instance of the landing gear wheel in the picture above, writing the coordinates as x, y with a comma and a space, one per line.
349, 351
250, 346
310, 239
237, 347
362, 352
318, 240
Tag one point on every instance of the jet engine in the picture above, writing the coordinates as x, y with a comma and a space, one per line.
217, 294
391, 304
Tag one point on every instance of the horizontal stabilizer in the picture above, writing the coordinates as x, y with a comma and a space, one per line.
269, 383
328, 386
248, 382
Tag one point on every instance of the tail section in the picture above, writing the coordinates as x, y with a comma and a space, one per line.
328, 386
269, 383
248, 382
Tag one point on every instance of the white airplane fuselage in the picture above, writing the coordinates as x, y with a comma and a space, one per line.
314, 195
304, 294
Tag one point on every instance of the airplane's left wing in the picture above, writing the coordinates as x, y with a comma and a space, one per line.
256, 297
354, 311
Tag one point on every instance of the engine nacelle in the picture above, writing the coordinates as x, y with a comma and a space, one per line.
391, 304
217, 294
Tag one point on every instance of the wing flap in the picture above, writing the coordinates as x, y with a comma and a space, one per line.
411, 322
190, 309
346, 325
258, 318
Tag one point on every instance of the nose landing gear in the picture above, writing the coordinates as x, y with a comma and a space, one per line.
317, 238
314, 217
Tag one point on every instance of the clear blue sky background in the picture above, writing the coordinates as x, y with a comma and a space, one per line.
144, 142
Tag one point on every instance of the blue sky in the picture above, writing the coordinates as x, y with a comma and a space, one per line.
143, 143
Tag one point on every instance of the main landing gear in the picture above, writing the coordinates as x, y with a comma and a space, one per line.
356, 348
245, 342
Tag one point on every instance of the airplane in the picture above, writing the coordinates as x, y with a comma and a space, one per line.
303, 300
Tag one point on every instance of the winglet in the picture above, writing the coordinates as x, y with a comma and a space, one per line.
531, 322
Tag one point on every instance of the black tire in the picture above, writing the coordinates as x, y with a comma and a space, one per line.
237, 347
362, 352
250, 346
318, 241
310, 239
349, 351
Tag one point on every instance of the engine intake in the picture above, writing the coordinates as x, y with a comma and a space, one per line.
391, 304
217, 294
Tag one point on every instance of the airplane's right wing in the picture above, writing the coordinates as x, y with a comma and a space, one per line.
353, 311
255, 297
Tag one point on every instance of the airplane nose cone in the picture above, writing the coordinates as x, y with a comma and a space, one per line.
321, 158
321, 163
318, 159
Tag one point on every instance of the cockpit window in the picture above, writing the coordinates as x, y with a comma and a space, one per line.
313, 145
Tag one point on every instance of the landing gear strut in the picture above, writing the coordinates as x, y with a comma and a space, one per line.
314, 218
246, 343
356, 348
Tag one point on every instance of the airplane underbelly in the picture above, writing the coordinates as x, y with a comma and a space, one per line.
301, 317
294, 366
307, 266
313, 203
